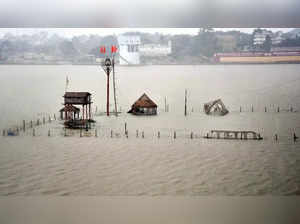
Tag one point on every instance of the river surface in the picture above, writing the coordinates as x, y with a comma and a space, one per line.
112, 164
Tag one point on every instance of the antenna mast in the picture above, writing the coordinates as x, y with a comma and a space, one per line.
114, 85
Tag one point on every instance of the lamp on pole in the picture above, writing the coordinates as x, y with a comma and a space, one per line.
107, 69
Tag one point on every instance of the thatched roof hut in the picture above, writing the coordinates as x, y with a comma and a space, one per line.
144, 106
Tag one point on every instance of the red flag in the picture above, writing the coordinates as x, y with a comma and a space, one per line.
114, 49
102, 50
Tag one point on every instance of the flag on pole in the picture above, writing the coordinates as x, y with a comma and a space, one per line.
102, 50
114, 49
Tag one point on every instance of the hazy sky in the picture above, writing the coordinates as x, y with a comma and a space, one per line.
69, 32
145, 13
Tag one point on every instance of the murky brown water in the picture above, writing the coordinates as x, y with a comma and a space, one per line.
72, 165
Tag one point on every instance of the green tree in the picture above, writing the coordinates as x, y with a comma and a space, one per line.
267, 44
205, 43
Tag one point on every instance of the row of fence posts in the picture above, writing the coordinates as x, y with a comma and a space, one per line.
295, 137
111, 132
266, 110
31, 125
137, 134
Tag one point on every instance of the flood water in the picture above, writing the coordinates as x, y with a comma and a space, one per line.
102, 165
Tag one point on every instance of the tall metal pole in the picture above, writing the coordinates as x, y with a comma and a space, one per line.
107, 88
185, 101
165, 104
114, 85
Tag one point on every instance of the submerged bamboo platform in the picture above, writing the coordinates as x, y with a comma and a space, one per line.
229, 134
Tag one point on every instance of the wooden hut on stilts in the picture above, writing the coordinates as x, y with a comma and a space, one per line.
72, 114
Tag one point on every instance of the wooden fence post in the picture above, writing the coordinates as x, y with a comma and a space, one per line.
24, 126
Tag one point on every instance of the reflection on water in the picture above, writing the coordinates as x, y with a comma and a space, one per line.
119, 166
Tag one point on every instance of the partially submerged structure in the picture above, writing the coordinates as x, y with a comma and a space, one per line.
143, 106
72, 114
228, 134
215, 107
69, 112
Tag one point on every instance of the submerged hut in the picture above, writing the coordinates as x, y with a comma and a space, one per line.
72, 113
143, 106
215, 107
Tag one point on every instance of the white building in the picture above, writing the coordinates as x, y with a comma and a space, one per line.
153, 50
260, 37
129, 49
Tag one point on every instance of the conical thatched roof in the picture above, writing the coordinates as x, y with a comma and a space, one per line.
144, 101
69, 108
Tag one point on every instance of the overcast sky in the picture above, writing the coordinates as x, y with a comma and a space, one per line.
70, 32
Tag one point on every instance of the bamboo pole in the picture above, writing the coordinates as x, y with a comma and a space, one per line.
185, 102
114, 86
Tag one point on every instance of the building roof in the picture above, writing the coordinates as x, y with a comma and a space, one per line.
76, 94
129, 39
144, 101
69, 108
